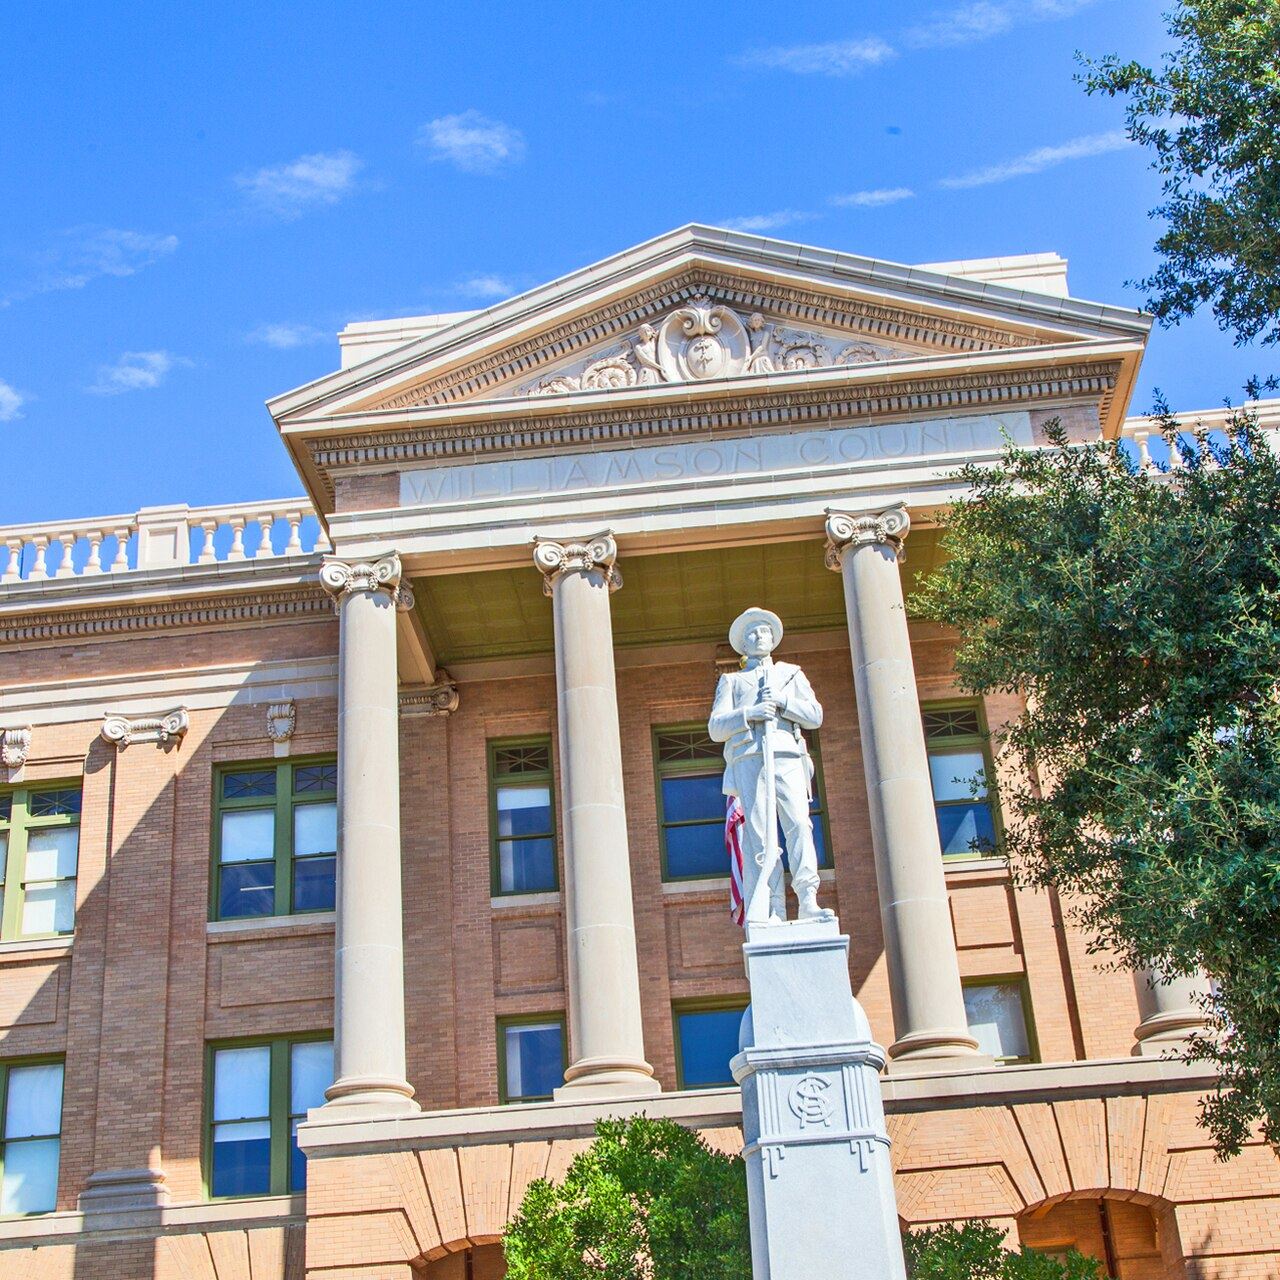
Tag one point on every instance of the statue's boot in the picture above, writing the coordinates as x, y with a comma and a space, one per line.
809, 909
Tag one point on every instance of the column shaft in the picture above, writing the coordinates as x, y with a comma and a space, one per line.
924, 976
368, 1025
605, 1027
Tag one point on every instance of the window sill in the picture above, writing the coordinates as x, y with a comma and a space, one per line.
270, 926
960, 866
18, 947
506, 901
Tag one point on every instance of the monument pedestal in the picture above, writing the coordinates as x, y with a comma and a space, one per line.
819, 1181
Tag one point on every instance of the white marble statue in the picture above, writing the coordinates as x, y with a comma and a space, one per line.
758, 714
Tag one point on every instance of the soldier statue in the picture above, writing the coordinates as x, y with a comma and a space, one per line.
759, 714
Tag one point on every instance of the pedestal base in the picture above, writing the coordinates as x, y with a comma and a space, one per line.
117, 1190
590, 1078
819, 1180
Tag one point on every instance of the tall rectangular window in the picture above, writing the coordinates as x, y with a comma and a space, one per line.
531, 1057
959, 767
275, 839
39, 859
997, 1017
706, 1040
522, 825
258, 1095
30, 1136
691, 803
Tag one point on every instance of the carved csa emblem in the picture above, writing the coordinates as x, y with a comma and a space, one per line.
700, 341
809, 1101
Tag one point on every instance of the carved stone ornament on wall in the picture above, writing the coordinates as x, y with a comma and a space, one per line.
15, 744
439, 699
282, 719
704, 340
124, 732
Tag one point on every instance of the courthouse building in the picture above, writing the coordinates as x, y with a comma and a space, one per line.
400, 795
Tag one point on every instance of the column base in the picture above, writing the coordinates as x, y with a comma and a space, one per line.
935, 1051
120, 1190
366, 1097
607, 1078
1163, 1032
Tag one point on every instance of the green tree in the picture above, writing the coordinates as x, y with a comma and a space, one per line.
975, 1251
649, 1200
1139, 614
1208, 117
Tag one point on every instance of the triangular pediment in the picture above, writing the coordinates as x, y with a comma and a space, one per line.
701, 307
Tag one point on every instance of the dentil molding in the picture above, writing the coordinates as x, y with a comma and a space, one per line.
844, 531
555, 559
123, 732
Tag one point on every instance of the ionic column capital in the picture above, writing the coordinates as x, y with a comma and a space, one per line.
844, 531
554, 559
341, 578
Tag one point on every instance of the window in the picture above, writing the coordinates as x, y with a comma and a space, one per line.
276, 839
531, 1057
958, 768
258, 1094
39, 857
691, 803
30, 1136
522, 824
706, 1039
997, 1019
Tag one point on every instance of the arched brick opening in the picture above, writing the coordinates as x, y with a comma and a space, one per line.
465, 1262
1134, 1236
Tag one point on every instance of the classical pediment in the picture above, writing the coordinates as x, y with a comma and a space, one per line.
699, 308
702, 340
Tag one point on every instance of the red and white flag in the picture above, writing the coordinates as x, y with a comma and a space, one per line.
734, 818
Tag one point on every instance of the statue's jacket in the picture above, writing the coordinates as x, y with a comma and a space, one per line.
798, 709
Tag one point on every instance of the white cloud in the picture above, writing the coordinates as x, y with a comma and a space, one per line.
768, 221
983, 19
872, 199
284, 337
81, 255
485, 286
838, 58
1094, 144
11, 402
472, 141
288, 190
135, 371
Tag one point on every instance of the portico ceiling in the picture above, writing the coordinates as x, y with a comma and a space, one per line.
677, 597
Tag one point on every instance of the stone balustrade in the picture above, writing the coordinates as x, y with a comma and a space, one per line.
1151, 451
159, 537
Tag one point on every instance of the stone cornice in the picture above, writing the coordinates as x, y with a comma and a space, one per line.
539, 426
114, 619
855, 317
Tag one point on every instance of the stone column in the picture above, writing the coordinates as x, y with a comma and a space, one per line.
368, 1015
1171, 1011
924, 976
606, 1040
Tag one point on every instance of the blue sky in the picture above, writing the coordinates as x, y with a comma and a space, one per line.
196, 197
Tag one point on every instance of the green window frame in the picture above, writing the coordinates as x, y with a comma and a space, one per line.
687, 750
39, 859
27, 1138
289, 791
517, 764
683, 1008
1017, 984
528, 1021
957, 728
286, 1166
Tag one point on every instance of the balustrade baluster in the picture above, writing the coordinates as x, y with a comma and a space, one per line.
65, 568
13, 570
294, 546
40, 569
265, 522
121, 563
207, 554
237, 538
94, 563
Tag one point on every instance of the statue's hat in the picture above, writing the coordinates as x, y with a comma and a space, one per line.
751, 618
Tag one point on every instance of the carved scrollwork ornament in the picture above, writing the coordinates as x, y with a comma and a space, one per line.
122, 732
553, 559
15, 746
341, 578
439, 699
844, 531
